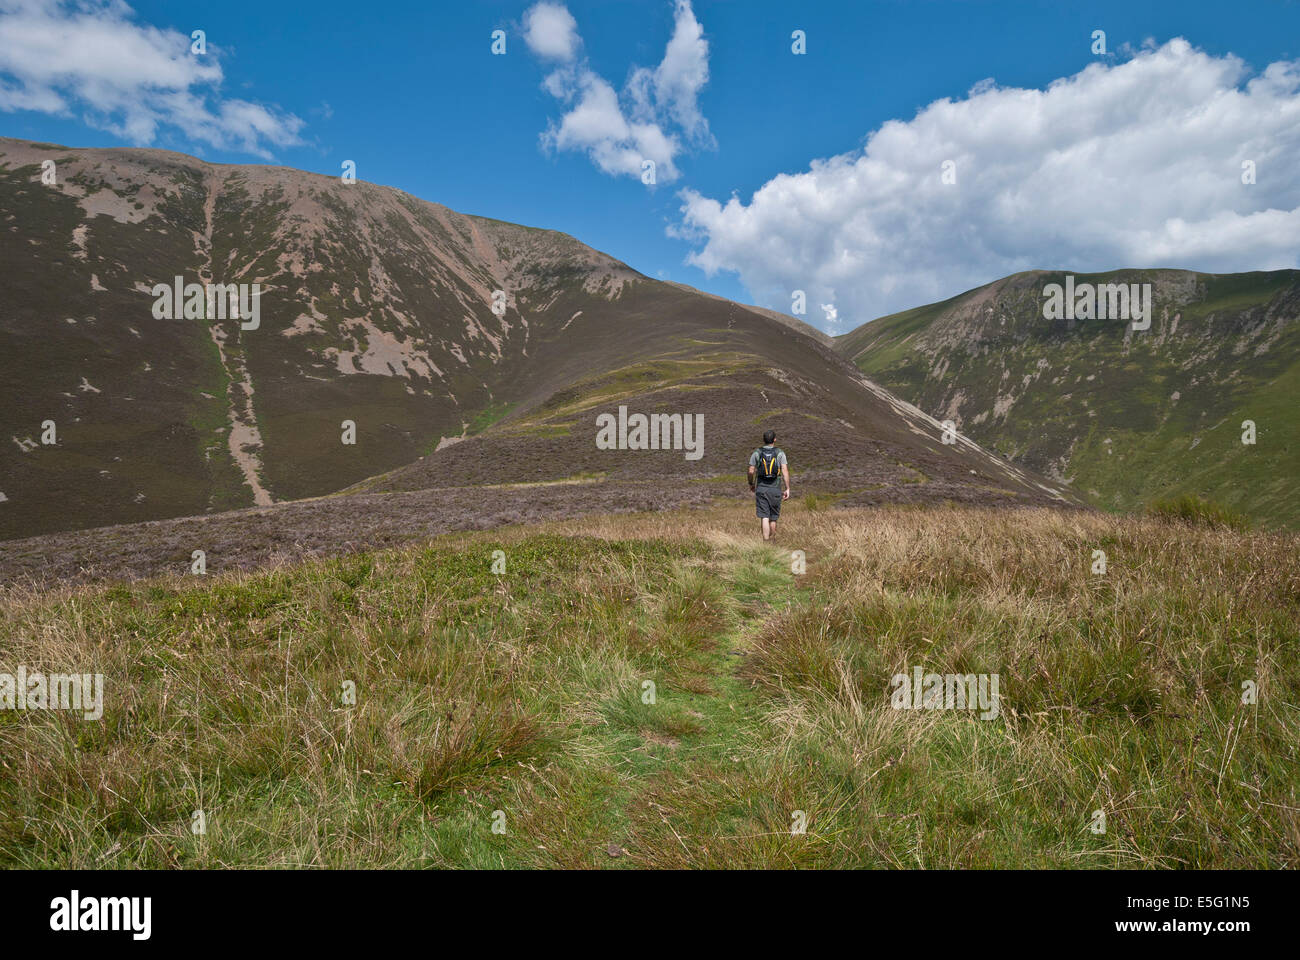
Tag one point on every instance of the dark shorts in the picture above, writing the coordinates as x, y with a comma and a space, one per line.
767, 498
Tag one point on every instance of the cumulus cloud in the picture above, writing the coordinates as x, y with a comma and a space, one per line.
655, 117
1135, 164
673, 87
551, 32
92, 57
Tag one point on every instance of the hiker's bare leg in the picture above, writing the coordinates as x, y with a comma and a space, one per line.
772, 529
765, 522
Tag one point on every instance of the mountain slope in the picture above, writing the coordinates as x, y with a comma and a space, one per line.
1123, 416
849, 441
377, 308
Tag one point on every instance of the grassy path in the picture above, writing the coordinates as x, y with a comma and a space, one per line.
706, 728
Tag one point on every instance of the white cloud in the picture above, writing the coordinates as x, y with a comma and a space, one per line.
653, 119
1128, 165
673, 87
131, 79
551, 32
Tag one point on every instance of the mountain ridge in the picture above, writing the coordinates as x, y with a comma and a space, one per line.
1123, 416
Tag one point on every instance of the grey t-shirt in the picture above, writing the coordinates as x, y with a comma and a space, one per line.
780, 462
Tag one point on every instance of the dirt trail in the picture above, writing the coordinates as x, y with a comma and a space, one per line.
244, 440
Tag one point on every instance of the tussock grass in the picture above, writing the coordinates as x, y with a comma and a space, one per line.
1197, 511
818, 501
1120, 692
521, 700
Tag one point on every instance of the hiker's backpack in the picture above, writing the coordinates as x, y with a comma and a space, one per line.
769, 464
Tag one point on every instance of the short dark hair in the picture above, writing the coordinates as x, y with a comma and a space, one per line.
769, 437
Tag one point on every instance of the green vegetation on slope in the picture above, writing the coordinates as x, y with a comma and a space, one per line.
1197, 512
488, 416
1125, 416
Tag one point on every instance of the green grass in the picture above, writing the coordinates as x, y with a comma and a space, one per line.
488, 416
1196, 511
522, 699
819, 501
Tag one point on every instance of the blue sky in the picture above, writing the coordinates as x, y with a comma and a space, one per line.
412, 93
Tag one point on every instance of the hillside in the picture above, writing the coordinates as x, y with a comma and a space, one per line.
1122, 416
851, 443
377, 308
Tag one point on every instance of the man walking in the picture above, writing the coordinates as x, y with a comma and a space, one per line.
767, 471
